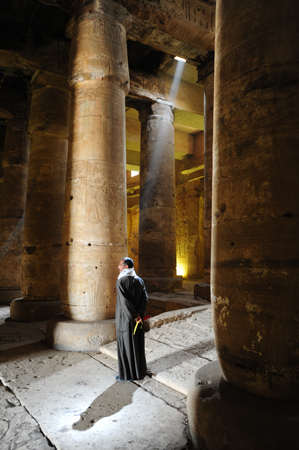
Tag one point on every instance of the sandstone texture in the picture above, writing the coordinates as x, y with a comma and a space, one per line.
254, 281
71, 400
94, 230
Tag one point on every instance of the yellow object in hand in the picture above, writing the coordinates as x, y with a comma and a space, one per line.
137, 326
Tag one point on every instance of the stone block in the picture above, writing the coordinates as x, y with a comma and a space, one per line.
163, 284
202, 290
22, 310
71, 335
171, 316
222, 417
8, 295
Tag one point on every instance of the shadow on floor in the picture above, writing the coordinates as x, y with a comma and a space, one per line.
110, 402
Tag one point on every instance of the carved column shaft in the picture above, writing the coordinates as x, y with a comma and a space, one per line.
49, 128
157, 234
15, 167
95, 229
255, 242
208, 162
255, 215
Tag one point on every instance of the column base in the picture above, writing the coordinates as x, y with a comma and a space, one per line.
202, 290
163, 284
75, 336
8, 295
22, 310
222, 417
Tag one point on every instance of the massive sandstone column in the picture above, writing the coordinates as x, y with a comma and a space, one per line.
95, 229
12, 208
157, 234
208, 159
49, 128
203, 289
255, 240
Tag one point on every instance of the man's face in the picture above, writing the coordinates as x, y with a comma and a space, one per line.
122, 266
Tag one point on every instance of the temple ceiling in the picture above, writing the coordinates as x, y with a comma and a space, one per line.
33, 37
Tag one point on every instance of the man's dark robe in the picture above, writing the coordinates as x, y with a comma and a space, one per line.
131, 303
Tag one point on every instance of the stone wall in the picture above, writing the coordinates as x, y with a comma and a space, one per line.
133, 234
189, 228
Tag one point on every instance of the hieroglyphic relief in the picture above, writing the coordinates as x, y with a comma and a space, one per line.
105, 194
190, 10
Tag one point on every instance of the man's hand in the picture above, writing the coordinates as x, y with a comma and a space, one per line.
138, 319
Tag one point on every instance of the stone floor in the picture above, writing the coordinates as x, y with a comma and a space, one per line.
63, 400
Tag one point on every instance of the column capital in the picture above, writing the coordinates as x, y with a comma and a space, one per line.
158, 108
99, 44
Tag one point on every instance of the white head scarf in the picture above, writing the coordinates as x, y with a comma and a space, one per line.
127, 273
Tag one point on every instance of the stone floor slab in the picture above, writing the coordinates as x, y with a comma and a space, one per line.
82, 406
178, 377
18, 429
77, 402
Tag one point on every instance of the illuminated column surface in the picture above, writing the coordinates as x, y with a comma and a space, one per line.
48, 128
157, 216
15, 167
255, 241
95, 228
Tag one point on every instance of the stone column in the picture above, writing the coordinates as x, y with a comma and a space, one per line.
255, 240
157, 222
202, 290
15, 168
208, 161
95, 228
49, 128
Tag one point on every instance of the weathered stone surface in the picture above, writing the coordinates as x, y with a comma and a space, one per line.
189, 226
157, 255
208, 159
15, 167
146, 86
162, 284
177, 376
242, 421
75, 336
7, 296
48, 126
24, 310
202, 290
77, 402
172, 316
94, 232
175, 350
18, 429
255, 215
159, 305
187, 18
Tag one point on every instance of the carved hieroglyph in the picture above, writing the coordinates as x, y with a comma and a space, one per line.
190, 22
95, 230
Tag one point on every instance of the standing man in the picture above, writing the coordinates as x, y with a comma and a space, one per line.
130, 310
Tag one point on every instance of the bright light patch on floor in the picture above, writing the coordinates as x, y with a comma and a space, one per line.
181, 269
178, 58
134, 173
